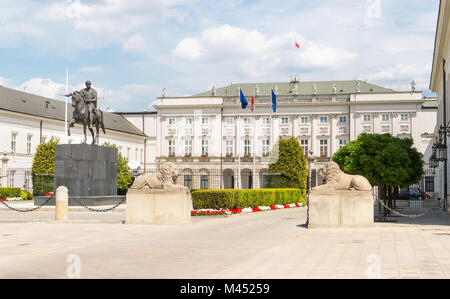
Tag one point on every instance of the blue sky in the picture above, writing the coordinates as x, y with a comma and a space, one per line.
133, 49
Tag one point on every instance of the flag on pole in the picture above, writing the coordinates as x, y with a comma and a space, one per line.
253, 104
244, 102
274, 101
297, 45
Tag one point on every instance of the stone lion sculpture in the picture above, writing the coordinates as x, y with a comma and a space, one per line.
165, 179
337, 180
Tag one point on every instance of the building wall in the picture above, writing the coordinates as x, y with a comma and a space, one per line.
226, 122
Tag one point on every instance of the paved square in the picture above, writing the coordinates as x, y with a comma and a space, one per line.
271, 244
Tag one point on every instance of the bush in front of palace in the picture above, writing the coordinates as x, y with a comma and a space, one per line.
291, 166
124, 179
43, 169
241, 199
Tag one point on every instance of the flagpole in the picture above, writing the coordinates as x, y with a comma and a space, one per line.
65, 115
254, 143
239, 143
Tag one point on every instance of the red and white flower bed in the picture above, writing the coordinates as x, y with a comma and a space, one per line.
211, 212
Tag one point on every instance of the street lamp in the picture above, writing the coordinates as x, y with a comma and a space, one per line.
433, 162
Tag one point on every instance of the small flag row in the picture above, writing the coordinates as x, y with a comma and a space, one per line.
244, 102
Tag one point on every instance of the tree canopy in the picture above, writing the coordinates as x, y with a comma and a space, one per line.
385, 159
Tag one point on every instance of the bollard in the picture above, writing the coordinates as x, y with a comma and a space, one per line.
62, 203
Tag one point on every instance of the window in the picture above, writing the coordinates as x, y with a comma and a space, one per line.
404, 117
12, 174
189, 121
266, 121
266, 147
324, 119
188, 181
29, 137
229, 121
27, 179
247, 147
367, 117
205, 121
142, 156
429, 184
188, 147
171, 148
323, 148
229, 148
385, 117
247, 121
304, 120
342, 142
343, 119
172, 121
205, 147
285, 120
136, 154
304, 143
128, 153
204, 182
13, 142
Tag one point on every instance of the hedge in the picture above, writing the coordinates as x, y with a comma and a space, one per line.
9, 192
241, 199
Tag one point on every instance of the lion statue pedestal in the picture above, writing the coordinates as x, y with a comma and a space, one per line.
344, 201
156, 199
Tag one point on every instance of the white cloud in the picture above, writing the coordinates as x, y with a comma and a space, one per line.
4, 81
255, 53
135, 43
399, 76
43, 87
90, 69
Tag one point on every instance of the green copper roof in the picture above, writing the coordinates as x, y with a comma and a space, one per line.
304, 88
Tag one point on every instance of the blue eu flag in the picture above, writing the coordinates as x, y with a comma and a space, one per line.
243, 101
274, 101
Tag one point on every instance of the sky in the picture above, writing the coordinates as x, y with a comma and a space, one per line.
132, 49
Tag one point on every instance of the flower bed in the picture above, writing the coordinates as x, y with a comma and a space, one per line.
211, 212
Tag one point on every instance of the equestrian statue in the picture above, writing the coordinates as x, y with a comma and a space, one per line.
86, 113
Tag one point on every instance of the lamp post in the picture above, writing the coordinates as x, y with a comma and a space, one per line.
311, 159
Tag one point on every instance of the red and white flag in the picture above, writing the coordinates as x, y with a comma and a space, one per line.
297, 45
253, 104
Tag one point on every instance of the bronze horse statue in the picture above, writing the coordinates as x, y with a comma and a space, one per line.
81, 115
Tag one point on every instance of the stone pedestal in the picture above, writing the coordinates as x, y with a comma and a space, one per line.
159, 206
330, 209
89, 172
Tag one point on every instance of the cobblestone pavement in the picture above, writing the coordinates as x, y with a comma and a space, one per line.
272, 244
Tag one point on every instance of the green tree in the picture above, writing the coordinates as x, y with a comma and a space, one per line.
291, 165
43, 168
123, 171
386, 161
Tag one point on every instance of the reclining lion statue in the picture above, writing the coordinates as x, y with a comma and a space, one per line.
165, 179
337, 180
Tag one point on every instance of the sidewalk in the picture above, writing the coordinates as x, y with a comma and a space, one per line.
270, 245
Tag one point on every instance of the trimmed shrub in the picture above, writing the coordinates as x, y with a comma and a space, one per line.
241, 199
290, 170
44, 168
6, 192
124, 179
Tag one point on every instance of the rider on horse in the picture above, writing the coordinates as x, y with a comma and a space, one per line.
90, 97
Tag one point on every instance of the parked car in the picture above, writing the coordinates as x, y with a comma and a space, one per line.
413, 193
416, 193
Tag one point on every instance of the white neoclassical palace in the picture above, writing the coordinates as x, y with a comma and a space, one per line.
216, 144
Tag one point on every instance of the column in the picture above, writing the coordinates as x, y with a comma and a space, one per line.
5, 171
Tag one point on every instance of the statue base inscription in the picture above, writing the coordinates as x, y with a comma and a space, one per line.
159, 206
338, 208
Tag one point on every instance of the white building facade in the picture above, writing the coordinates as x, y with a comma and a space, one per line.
440, 79
206, 134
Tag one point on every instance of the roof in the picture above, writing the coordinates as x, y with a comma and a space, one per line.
30, 104
430, 104
304, 88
